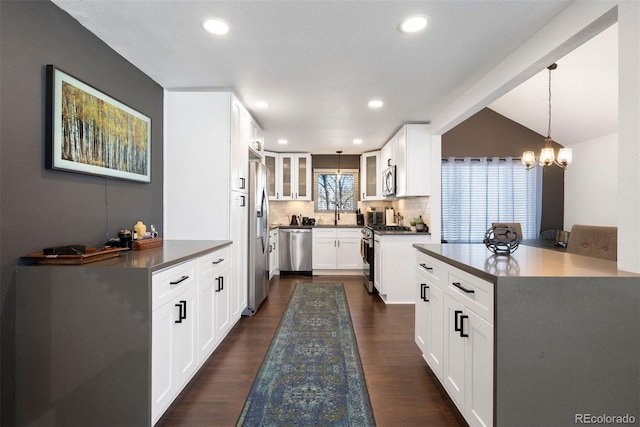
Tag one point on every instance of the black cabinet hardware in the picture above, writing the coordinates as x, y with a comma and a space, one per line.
218, 261
182, 279
182, 311
423, 291
219, 280
459, 286
244, 202
456, 327
426, 268
222, 283
462, 334
242, 183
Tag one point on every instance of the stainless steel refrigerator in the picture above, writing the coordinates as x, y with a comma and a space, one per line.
258, 274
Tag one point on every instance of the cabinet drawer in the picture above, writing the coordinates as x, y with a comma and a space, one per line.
473, 292
324, 233
210, 263
172, 281
349, 233
430, 268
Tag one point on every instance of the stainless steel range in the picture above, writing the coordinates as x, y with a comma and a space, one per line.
367, 251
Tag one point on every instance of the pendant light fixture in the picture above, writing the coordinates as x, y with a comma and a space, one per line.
547, 155
339, 152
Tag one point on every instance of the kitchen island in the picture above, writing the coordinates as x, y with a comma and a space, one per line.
539, 337
113, 342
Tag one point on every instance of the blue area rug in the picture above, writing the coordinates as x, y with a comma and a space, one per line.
312, 374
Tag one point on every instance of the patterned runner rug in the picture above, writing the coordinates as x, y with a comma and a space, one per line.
312, 374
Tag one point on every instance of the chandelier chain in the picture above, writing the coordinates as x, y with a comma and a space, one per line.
549, 127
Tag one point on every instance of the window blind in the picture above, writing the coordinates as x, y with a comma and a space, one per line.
479, 191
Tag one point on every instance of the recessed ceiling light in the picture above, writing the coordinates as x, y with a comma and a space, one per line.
282, 141
357, 141
413, 24
216, 26
375, 103
261, 104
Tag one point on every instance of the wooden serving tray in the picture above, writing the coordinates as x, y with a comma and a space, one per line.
91, 255
142, 244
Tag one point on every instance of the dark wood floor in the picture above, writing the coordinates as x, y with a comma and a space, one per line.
403, 390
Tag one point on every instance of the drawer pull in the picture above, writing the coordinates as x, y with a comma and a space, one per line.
182, 314
426, 268
218, 261
456, 327
462, 288
182, 279
220, 281
423, 291
462, 334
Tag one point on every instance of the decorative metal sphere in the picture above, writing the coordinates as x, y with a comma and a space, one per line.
501, 239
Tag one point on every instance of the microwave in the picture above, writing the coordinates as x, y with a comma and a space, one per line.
389, 182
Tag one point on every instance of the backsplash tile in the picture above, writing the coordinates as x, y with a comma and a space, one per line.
408, 208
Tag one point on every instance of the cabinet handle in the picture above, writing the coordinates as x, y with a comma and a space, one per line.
388, 162
423, 291
222, 283
426, 268
182, 311
456, 327
218, 261
459, 286
243, 203
182, 279
338, 243
242, 183
219, 280
277, 195
362, 196
462, 334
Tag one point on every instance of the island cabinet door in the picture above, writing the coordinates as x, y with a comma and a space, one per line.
478, 370
435, 330
454, 351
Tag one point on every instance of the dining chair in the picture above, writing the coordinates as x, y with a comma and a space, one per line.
594, 241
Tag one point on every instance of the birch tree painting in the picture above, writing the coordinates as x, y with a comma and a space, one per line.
93, 133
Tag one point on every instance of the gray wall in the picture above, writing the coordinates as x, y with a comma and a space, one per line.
489, 134
39, 207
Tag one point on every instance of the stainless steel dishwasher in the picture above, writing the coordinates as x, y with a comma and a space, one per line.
295, 250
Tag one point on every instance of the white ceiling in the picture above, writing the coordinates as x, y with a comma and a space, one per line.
318, 63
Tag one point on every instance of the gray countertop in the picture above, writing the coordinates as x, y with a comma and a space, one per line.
170, 253
273, 226
526, 261
399, 232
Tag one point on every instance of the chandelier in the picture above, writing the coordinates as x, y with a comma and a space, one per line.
547, 155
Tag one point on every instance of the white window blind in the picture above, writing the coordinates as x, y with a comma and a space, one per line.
479, 191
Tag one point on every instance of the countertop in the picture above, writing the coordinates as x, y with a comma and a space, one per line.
398, 232
274, 226
170, 253
526, 261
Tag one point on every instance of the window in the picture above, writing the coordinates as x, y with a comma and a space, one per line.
330, 189
479, 191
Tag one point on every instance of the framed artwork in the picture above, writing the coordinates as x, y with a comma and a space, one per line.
89, 132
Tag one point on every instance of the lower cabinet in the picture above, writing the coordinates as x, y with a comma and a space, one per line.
336, 249
174, 350
187, 328
273, 253
454, 330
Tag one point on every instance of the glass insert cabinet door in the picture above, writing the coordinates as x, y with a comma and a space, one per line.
302, 189
270, 161
287, 175
370, 176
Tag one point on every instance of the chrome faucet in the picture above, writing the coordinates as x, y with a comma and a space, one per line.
336, 215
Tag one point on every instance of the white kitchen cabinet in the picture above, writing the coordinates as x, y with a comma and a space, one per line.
210, 268
454, 330
174, 354
394, 265
240, 236
409, 150
429, 326
273, 253
370, 173
274, 181
222, 302
336, 249
240, 133
295, 176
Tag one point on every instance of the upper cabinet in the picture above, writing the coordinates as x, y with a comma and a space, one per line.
370, 176
410, 152
289, 176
